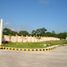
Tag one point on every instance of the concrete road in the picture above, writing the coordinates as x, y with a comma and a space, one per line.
54, 58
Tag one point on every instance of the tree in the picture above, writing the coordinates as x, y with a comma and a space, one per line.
33, 33
62, 35
48, 34
39, 32
7, 31
24, 33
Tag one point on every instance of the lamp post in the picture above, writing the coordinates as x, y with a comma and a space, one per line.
1, 30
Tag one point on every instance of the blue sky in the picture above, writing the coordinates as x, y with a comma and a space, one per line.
33, 14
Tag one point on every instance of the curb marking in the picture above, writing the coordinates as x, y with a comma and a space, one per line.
29, 49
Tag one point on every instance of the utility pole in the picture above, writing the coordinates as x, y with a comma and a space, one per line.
1, 30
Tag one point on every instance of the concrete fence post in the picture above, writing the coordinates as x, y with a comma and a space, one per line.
1, 30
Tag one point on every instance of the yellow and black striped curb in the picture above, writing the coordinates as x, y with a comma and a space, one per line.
29, 49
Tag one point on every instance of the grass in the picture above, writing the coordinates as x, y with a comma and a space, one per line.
35, 45
60, 42
25, 45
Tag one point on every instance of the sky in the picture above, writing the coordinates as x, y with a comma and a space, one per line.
32, 14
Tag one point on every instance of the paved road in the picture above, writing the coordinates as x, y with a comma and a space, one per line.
54, 58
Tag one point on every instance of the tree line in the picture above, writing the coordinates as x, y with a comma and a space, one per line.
40, 32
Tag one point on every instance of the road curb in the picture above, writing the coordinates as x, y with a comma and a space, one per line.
29, 49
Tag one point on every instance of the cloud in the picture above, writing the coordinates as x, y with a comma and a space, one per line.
43, 1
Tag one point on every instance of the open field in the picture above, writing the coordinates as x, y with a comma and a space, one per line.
35, 45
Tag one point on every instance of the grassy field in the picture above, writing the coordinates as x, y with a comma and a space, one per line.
35, 45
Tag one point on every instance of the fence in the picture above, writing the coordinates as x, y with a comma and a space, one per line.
28, 39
